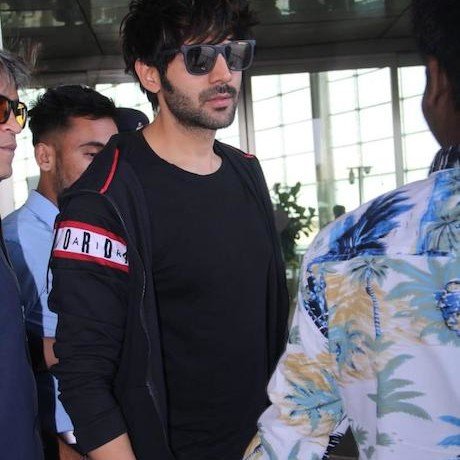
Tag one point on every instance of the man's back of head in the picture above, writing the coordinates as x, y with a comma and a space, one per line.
438, 38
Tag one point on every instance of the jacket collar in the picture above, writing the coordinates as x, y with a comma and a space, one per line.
446, 158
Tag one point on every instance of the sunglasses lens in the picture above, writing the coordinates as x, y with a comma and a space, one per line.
21, 114
5, 109
238, 55
200, 59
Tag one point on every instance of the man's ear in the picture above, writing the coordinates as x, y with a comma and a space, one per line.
438, 85
45, 156
148, 76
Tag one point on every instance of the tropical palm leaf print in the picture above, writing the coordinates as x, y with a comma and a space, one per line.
453, 440
389, 400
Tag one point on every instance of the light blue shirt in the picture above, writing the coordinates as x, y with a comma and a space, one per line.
28, 234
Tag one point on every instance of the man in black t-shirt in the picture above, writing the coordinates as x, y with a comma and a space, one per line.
167, 275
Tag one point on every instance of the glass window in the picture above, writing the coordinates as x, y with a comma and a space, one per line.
342, 95
378, 184
267, 113
264, 87
296, 106
294, 81
345, 158
346, 194
416, 174
340, 74
379, 155
298, 138
374, 87
270, 143
412, 115
231, 134
412, 81
345, 130
419, 150
419, 145
127, 95
282, 122
376, 122
273, 171
301, 168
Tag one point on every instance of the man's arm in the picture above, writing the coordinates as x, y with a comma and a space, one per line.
306, 407
48, 352
90, 296
117, 449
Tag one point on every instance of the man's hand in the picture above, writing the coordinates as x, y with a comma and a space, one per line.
66, 452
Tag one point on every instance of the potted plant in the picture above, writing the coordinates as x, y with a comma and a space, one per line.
293, 221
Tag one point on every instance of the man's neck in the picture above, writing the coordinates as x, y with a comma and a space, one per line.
46, 189
188, 148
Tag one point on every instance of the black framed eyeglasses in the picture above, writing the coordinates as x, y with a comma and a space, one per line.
200, 59
19, 110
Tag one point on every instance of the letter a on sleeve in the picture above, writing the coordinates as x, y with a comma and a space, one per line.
89, 243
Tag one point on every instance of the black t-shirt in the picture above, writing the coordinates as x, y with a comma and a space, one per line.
211, 253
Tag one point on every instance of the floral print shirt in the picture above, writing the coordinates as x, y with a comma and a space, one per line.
375, 339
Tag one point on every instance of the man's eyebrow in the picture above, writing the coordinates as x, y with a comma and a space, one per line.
92, 144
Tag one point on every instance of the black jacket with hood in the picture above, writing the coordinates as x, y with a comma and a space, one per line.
110, 367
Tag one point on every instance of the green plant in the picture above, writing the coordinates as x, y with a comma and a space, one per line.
298, 219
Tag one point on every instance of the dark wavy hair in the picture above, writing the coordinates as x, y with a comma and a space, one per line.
14, 69
53, 109
437, 31
153, 26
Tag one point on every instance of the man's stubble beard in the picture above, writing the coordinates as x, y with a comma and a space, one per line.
59, 180
195, 117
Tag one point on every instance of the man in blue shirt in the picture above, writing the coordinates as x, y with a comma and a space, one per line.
19, 433
70, 125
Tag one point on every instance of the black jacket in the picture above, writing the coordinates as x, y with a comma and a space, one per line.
19, 424
110, 367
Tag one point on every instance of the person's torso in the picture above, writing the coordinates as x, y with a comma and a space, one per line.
211, 253
18, 407
29, 237
387, 280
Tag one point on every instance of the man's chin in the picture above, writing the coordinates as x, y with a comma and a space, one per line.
5, 173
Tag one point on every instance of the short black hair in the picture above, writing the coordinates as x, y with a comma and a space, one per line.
153, 26
53, 110
437, 31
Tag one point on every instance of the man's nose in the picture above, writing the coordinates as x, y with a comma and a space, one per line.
220, 71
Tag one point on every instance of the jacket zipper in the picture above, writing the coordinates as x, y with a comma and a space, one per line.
141, 309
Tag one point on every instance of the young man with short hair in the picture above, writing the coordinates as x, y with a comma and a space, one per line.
168, 278
70, 125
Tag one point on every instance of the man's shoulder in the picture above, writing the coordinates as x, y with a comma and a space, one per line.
111, 162
393, 215
13, 221
232, 150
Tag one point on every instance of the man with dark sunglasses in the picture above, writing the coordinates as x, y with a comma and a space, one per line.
19, 428
167, 275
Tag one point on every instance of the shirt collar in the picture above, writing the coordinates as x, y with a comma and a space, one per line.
43, 208
446, 158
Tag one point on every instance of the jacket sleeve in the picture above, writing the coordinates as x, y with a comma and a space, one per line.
306, 407
89, 294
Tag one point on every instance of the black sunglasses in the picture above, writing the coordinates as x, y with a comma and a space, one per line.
19, 110
200, 59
